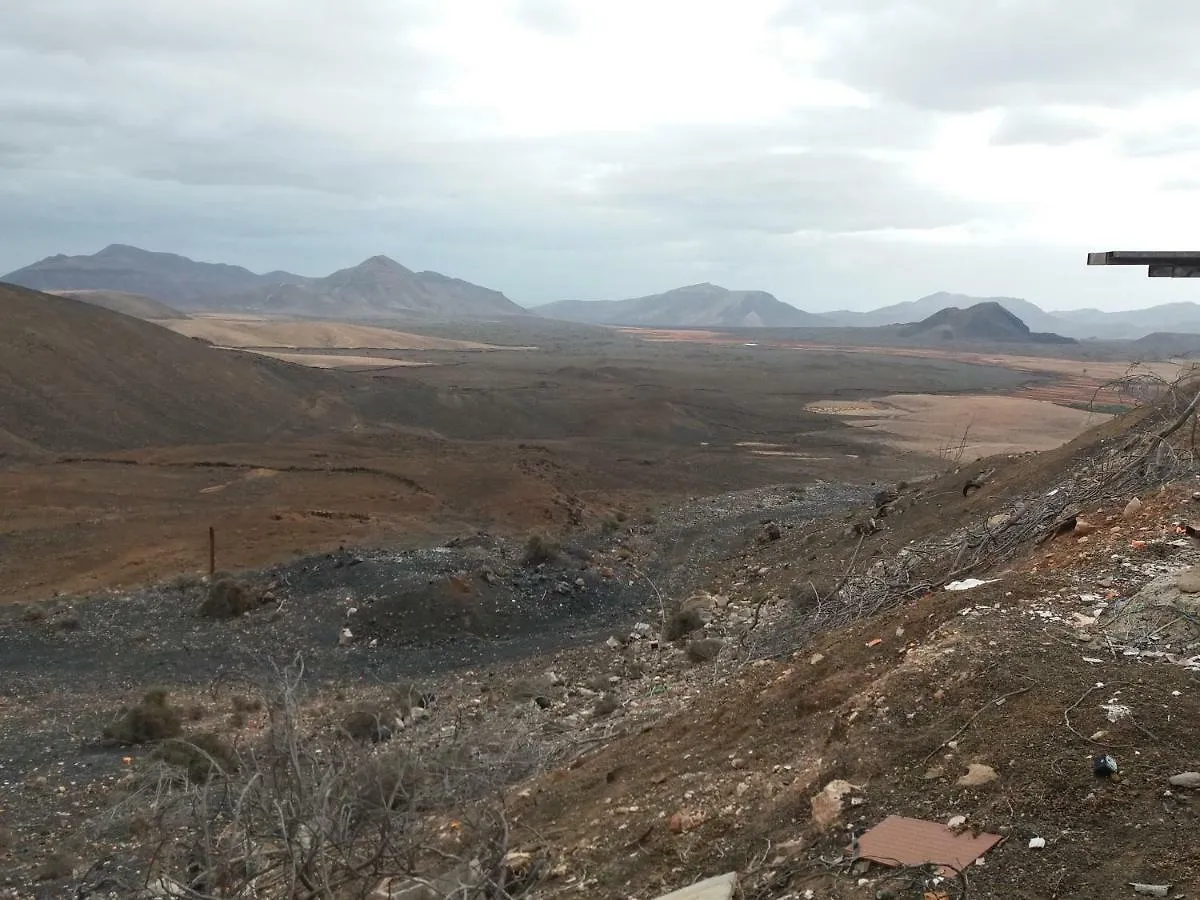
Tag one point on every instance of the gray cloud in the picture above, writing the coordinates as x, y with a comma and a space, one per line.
953, 55
292, 135
1034, 126
783, 193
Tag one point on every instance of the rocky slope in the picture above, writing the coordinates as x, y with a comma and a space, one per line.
762, 706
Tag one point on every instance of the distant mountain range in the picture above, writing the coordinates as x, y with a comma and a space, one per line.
166, 277
1079, 323
695, 306
376, 288
380, 288
711, 306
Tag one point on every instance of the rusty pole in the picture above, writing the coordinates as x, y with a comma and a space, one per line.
212, 553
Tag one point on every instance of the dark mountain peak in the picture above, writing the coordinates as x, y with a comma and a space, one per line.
988, 321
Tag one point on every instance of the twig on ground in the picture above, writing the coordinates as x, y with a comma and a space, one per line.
996, 702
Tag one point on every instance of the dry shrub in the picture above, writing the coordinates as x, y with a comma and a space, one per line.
228, 598
34, 612
56, 866
67, 621
539, 550
682, 622
305, 814
373, 724
244, 704
704, 650
152, 719
201, 756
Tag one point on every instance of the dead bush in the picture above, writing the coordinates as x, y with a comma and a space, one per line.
244, 704
67, 621
56, 867
704, 650
540, 550
185, 581
34, 612
228, 598
194, 712
605, 706
373, 724
682, 622
201, 756
304, 814
152, 719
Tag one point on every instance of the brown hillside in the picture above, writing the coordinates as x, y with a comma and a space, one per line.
136, 305
76, 377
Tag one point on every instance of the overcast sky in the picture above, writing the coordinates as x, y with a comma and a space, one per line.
838, 153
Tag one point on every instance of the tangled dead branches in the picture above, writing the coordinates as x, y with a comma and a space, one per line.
1151, 453
308, 815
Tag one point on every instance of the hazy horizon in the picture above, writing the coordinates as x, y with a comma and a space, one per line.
849, 155
815, 308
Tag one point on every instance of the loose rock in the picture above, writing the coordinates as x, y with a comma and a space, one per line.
977, 776
1189, 580
827, 806
1132, 508
1186, 780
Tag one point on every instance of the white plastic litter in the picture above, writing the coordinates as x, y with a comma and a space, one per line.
967, 583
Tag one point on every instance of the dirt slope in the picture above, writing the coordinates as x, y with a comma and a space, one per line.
136, 305
77, 377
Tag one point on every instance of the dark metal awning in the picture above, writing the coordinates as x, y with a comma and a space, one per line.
1158, 263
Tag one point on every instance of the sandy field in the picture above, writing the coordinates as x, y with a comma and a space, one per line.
990, 424
245, 331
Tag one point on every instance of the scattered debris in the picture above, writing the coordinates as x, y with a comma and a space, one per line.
720, 887
967, 583
1151, 890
